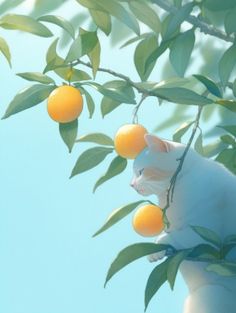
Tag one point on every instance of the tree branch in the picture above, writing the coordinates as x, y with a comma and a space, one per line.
170, 190
111, 72
203, 26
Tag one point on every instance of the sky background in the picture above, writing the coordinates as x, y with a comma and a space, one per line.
49, 262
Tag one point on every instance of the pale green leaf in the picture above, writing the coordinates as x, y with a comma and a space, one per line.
37, 77
90, 103
181, 95
173, 265
230, 129
226, 64
227, 269
181, 50
198, 145
82, 45
117, 215
228, 104
59, 21
178, 134
142, 52
24, 23
156, 279
102, 20
219, 5
145, 14
68, 132
27, 98
131, 254
99, 138
117, 166
114, 93
108, 105
89, 159
117, 10
177, 19
209, 84
208, 235
4, 48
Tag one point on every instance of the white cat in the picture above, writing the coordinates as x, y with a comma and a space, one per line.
204, 195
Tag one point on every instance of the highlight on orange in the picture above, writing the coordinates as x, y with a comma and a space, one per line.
65, 104
129, 140
148, 220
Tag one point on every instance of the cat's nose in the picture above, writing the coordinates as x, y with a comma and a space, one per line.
132, 184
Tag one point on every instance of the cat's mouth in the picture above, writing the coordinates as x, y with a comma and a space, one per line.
142, 191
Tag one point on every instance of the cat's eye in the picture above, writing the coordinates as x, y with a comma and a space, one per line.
141, 171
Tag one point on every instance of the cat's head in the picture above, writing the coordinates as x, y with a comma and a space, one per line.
156, 164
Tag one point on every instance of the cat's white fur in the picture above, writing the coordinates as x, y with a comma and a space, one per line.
204, 195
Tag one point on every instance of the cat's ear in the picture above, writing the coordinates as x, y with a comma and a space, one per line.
156, 144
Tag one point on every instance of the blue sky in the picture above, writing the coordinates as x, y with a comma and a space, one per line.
49, 261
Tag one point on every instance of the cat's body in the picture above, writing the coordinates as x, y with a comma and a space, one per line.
204, 195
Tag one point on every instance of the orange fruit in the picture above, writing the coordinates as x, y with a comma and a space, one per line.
148, 220
129, 140
65, 104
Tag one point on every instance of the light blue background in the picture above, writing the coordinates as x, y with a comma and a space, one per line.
49, 262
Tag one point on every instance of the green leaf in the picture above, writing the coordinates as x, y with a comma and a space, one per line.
227, 269
131, 254
82, 45
209, 84
108, 105
204, 251
180, 95
102, 20
6, 5
134, 39
228, 158
115, 93
230, 239
207, 235
145, 14
157, 53
226, 64
142, 52
229, 140
4, 48
90, 4
118, 11
228, 104
229, 22
219, 5
37, 77
225, 250
89, 159
24, 23
174, 264
156, 279
178, 134
59, 21
94, 57
177, 19
117, 166
198, 146
230, 129
117, 215
68, 132
181, 50
99, 138
90, 103
27, 98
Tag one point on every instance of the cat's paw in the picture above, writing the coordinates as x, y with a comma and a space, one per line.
156, 256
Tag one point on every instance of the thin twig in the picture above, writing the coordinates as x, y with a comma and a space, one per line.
170, 190
137, 107
195, 21
113, 73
